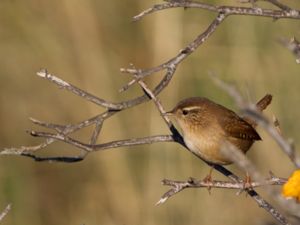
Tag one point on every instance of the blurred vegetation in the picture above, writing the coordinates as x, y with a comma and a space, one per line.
86, 42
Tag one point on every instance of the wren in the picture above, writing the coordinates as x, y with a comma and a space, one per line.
206, 125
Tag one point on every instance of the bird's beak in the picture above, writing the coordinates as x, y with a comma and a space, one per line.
170, 113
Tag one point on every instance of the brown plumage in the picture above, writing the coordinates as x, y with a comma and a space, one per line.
207, 125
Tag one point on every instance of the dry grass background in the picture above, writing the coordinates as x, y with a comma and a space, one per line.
86, 42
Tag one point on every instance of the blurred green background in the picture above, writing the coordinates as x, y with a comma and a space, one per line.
86, 42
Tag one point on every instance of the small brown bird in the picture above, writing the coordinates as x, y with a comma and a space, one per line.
207, 125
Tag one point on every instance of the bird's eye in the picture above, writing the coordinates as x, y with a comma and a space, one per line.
185, 112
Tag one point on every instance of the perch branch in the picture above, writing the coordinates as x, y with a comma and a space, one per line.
178, 186
260, 201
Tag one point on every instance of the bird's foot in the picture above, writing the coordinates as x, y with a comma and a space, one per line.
208, 180
247, 182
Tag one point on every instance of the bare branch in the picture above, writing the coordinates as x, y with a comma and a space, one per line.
175, 4
128, 142
251, 111
286, 12
279, 5
178, 186
62, 132
294, 46
112, 107
65, 85
5, 212
285, 145
172, 64
26, 149
87, 148
273, 2
241, 160
157, 103
70, 128
244, 163
260, 201
64, 159
104, 146
223, 13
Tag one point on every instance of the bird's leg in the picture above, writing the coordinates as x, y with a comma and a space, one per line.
247, 185
208, 179
247, 182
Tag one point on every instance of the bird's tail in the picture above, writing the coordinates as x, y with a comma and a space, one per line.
264, 102
261, 105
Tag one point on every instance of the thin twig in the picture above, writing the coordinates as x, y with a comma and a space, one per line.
107, 145
251, 111
175, 61
88, 148
157, 102
222, 13
5, 211
286, 12
294, 46
65, 85
279, 5
70, 128
243, 162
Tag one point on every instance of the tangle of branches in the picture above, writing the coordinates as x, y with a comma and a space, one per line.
61, 133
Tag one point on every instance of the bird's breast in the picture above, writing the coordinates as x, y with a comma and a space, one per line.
207, 145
